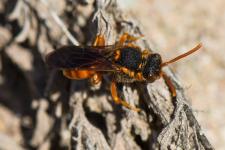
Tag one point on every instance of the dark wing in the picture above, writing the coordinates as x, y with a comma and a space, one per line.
81, 58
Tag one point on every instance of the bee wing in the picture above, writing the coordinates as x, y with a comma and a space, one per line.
82, 58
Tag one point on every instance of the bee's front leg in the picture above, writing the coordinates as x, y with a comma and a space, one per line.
169, 84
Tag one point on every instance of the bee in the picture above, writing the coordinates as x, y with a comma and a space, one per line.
124, 61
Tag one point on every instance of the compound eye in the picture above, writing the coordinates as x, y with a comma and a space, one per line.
152, 67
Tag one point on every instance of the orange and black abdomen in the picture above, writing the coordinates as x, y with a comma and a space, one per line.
129, 58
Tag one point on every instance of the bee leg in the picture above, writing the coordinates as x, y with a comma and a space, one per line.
131, 45
127, 37
96, 79
99, 40
117, 100
169, 84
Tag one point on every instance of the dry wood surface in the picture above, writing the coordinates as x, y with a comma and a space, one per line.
41, 109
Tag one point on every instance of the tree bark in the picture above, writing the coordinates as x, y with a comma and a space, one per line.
57, 113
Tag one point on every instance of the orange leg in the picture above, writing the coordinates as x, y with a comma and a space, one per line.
99, 40
117, 100
169, 84
96, 79
131, 45
127, 37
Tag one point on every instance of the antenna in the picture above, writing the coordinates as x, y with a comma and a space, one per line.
182, 55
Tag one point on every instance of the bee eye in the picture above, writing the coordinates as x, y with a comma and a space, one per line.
152, 67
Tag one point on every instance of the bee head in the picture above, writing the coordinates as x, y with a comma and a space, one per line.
152, 68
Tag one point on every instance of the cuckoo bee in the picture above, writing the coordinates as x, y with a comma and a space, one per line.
124, 61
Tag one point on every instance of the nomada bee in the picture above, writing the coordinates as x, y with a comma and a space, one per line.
124, 61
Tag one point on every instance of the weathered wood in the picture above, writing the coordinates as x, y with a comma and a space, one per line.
57, 113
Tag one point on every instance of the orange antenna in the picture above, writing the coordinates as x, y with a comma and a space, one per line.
182, 55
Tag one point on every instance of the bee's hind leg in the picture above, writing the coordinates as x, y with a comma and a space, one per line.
99, 40
117, 100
